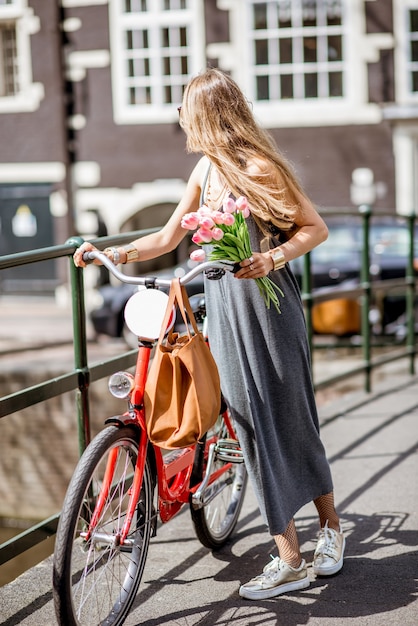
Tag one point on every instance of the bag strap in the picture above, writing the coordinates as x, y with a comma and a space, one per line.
178, 293
184, 305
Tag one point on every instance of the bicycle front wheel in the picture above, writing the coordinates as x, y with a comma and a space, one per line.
216, 516
95, 578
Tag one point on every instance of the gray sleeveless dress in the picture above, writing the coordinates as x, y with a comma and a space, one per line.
264, 366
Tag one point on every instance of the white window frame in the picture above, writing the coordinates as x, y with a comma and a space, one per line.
403, 63
156, 112
358, 50
29, 94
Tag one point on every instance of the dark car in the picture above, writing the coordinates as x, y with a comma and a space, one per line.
337, 263
108, 318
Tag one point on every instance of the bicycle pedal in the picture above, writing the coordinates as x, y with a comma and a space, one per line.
229, 450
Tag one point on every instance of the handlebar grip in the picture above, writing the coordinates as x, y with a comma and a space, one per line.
88, 257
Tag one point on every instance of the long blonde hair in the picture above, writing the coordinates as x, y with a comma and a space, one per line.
218, 122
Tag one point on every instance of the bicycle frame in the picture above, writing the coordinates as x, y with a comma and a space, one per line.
174, 469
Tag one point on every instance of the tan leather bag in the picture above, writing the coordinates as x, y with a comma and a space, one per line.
182, 393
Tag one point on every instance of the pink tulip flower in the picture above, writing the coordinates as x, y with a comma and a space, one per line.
190, 221
229, 205
202, 236
218, 217
198, 255
228, 219
241, 203
204, 211
217, 234
207, 223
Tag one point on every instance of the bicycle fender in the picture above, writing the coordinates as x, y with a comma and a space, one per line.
122, 420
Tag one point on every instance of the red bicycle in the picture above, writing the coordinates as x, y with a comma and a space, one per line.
122, 483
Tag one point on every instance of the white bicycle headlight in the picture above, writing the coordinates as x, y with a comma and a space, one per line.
121, 384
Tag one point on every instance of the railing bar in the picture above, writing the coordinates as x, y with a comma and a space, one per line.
38, 393
105, 368
28, 539
374, 363
55, 252
54, 387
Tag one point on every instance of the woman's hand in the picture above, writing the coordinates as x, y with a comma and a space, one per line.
78, 254
258, 265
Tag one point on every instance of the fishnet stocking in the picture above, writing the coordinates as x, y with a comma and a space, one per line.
326, 511
288, 545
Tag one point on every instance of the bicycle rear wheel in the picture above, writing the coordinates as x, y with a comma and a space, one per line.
95, 579
215, 517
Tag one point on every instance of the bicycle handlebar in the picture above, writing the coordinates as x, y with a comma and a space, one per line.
228, 266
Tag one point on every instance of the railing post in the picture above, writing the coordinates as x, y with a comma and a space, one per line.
410, 295
365, 212
307, 298
80, 350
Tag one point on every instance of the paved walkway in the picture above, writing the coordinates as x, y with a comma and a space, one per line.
372, 443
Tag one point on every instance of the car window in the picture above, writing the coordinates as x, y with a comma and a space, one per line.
391, 241
342, 243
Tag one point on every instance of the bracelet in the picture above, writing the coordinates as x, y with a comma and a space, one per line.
115, 254
132, 253
278, 259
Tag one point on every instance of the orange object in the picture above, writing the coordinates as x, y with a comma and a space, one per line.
337, 317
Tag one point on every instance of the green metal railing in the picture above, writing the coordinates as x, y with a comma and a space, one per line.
364, 292
83, 374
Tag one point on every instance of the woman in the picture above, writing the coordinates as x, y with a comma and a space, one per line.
262, 355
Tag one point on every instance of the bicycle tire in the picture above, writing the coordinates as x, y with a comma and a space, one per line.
215, 522
95, 581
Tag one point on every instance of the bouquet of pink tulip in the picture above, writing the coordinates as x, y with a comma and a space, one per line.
228, 234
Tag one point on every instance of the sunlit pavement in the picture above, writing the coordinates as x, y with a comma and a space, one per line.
372, 444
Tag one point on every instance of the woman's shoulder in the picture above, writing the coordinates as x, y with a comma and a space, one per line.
200, 169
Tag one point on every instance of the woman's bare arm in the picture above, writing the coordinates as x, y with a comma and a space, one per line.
168, 238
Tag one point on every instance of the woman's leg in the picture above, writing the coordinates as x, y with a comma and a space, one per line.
288, 545
329, 553
326, 511
284, 573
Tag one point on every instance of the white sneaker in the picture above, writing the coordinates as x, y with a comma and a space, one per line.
277, 577
329, 554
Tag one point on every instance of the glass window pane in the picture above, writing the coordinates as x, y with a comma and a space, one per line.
309, 12
9, 83
286, 86
135, 6
335, 52
335, 80
165, 37
284, 14
311, 85
263, 88
166, 66
136, 39
260, 16
167, 95
138, 67
183, 37
173, 5
414, 81
414, 50
334, 12
261, 52
309, 49
139, 95
414, 21
285, 50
